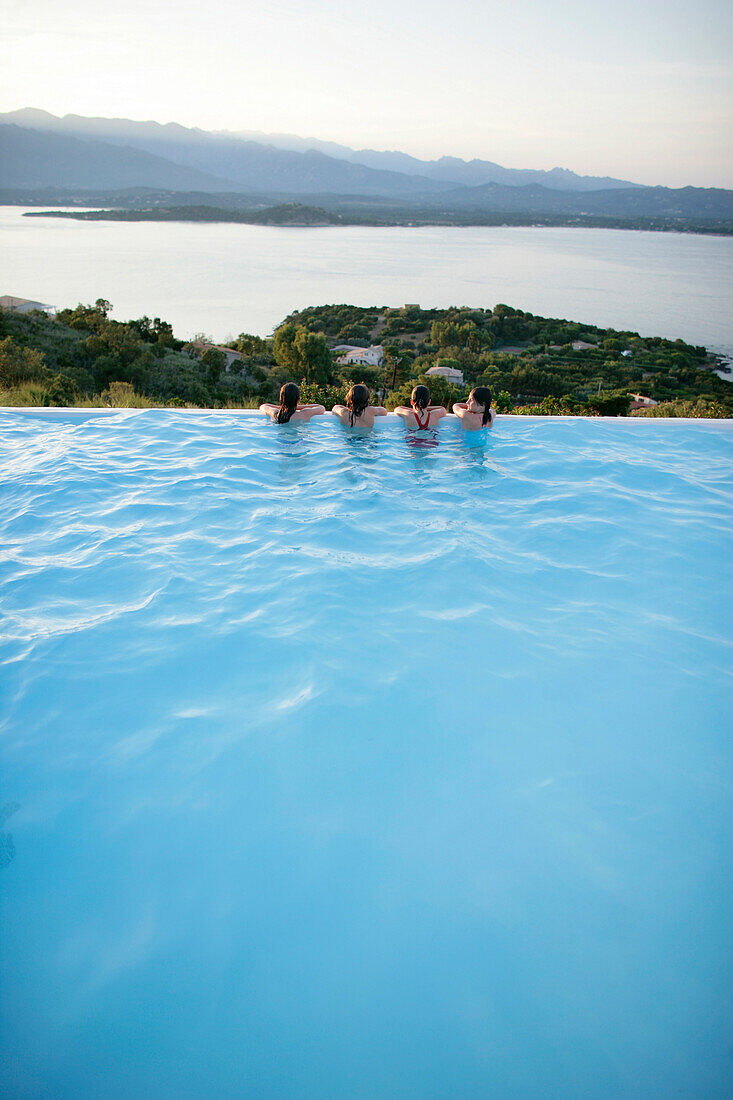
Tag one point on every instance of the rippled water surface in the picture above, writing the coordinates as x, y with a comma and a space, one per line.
346, 766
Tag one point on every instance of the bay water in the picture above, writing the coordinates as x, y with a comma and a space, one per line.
223, 279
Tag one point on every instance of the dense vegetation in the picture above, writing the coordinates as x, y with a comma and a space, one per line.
82, 356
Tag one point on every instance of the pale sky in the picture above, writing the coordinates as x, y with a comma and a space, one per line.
638, 89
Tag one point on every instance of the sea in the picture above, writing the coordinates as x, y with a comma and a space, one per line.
223, 279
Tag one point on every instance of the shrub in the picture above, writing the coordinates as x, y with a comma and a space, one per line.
615, 404
553, 406
312, 393
699, 409
27, 394
122, 395
61, 391
19, 364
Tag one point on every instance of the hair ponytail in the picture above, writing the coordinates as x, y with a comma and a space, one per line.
289, 398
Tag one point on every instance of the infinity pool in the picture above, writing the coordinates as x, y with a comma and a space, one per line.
343, 766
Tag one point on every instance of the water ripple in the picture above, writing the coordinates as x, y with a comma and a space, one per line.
268, 565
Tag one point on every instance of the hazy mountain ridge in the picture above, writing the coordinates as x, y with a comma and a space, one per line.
234, 163
446, 169
216, 151
38, 159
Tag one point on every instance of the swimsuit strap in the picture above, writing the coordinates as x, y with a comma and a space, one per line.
419, 421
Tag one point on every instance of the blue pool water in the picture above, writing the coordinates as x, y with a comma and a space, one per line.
336, 766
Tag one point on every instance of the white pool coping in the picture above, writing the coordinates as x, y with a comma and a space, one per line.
72, 413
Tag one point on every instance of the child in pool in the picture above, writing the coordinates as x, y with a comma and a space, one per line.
477, 411
421, 414
357, 412
289, 407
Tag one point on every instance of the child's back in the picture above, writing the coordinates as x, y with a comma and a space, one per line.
420, 413
357, 412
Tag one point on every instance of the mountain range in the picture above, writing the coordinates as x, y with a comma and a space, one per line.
446, 169
284, 162
39, 150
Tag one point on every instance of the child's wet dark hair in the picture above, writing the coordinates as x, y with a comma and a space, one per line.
357, 399
289, 398
482, 394
421, 397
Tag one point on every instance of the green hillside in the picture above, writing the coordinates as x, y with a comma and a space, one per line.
533, 364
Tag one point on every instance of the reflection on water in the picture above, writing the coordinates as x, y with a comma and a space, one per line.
422, 437
361, 454
472, 451
293, 444
362, 442
421, 448
291, 434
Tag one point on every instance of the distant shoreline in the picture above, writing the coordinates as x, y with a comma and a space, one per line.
300, 216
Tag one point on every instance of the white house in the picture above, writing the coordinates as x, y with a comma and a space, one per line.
449, 373
23, 305
363, 357
641, 401
583, 345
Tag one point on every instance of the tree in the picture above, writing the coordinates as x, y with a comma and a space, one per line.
257, 374
250, 345
163, 331
499, 315
286, 355
303, 354
314, 356
214, 360
91, 318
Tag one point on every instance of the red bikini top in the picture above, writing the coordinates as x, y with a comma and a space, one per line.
420, 424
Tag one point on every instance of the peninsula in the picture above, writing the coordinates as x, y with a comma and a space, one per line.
303, 215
